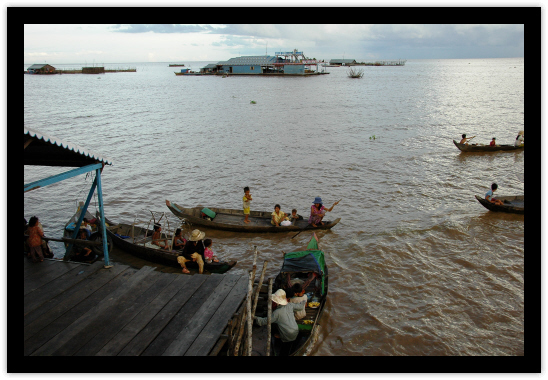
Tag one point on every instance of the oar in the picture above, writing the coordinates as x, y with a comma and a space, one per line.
308, 225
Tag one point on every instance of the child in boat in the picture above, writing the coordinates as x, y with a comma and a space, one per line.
465, 139
299, 297
489, 195
294, 216
493, 142
82, 252
161, 243
247, 203
208, 253
179, 241
278, 216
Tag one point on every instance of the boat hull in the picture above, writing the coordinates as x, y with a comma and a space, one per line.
233, 220
486, 148
160, 256
515, 205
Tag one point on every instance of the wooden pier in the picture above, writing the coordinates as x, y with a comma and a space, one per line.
74, 309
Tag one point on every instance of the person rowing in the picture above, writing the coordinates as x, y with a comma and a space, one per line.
466, 139
317, 212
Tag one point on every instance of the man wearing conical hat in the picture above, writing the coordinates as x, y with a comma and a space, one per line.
284, 318
193, 251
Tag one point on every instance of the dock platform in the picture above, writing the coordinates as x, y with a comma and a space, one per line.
74, 309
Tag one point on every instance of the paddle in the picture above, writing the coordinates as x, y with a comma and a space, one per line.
308, 225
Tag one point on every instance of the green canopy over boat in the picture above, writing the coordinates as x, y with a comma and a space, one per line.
310, 260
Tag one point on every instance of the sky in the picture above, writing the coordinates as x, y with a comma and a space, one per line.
180, 43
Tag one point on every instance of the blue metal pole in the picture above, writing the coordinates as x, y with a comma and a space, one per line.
102, 212
60, 177
80, 218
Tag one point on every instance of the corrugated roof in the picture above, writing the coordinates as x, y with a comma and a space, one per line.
250, 60
47, 150
37, 66
342, 61
210, 66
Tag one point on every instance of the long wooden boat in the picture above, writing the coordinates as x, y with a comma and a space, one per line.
486, 148
298, 266
514, 204
95, 232
133, 239
233, 220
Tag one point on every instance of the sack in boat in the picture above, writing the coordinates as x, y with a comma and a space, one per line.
285, 223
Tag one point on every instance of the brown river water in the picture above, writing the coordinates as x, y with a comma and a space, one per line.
417, 266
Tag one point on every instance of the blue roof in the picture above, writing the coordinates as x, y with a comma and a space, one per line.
52, 142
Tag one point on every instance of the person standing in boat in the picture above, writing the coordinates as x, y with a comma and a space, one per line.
465, 139
317, 212
284, 318
519, 139
489, 195
247, 203
193, 251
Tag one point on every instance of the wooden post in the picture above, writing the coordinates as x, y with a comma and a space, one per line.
249, 316
240, 333
269, 317
258, 289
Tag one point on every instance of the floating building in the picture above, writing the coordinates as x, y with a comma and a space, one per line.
282, 63
41, 68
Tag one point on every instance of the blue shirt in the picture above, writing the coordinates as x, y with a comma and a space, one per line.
489, 194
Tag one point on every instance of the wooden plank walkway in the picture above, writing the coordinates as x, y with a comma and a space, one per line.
74, 309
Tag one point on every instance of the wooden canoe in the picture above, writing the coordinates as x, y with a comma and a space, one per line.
299, 266
121, 235
233, 220
512, 204
486, 148
95, 232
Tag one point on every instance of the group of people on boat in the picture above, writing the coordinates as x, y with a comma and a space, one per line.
317, 213
518, 142
196, 248
280, 218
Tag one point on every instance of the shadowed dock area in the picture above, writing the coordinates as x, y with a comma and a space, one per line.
82, 310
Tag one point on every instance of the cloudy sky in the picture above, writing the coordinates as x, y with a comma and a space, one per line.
125, 43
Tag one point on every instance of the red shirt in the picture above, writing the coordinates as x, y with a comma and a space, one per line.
493, 143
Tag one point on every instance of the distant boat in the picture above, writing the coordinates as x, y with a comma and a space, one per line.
514, 204
485, 148
176, 65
